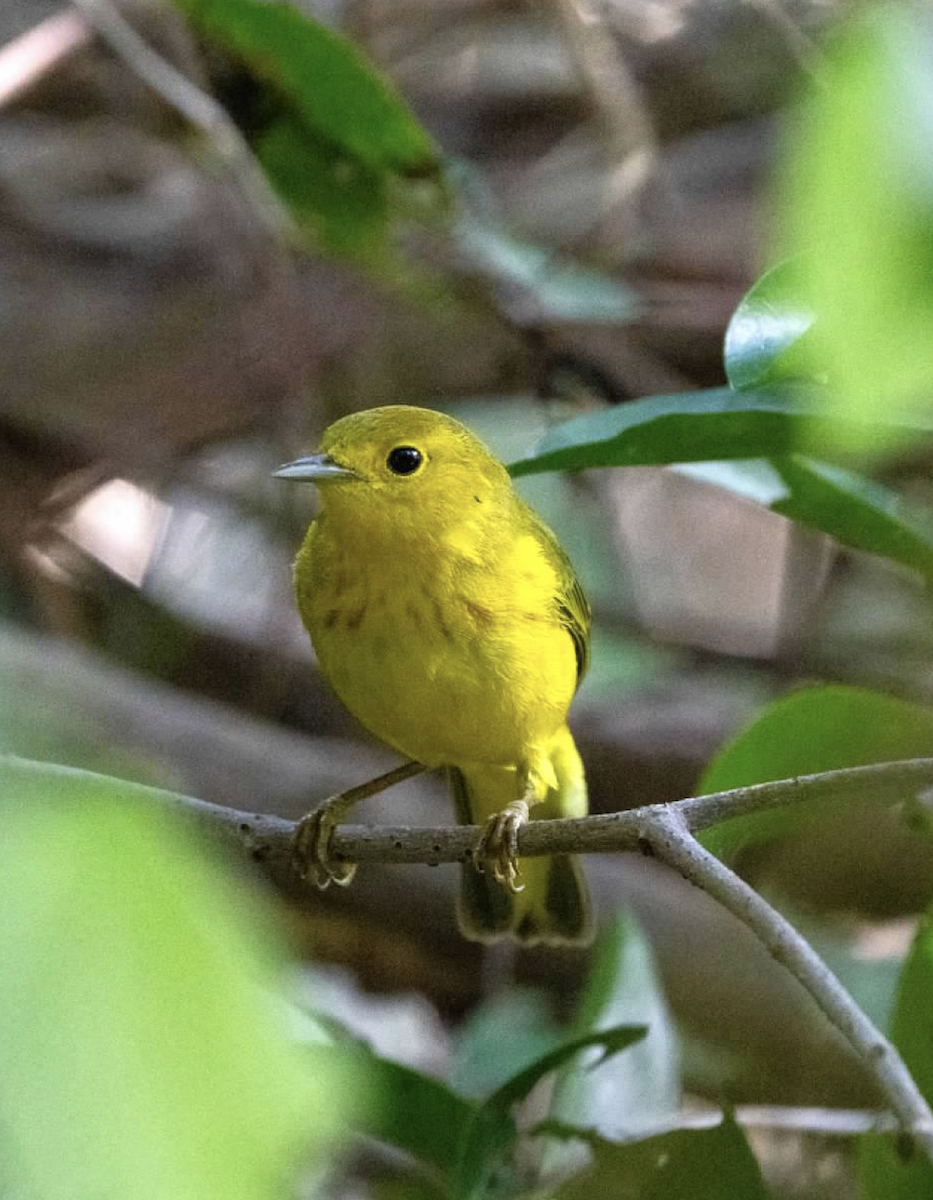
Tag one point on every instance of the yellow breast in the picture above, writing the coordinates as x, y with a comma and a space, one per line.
452, 652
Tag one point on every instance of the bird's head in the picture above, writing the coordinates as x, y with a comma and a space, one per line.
397, 458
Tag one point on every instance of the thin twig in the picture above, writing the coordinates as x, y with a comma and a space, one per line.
197, 107
615, 96
671, 841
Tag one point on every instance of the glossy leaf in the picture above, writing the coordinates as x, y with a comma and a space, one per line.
145, 1047
767, 341
857, 512
858, 205
701, 426
718, 427
811, 730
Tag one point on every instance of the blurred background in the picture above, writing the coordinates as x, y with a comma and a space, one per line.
161, 353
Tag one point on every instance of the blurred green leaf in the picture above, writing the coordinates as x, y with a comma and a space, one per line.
492, 1130
701, 426
504, 1034
328, 83
811, 730
406, 1109
858, 206
640, 1090
768, 337
334, 137
145, 1047
537, 285
856, 511
688, 1164
884, 1173
342, 201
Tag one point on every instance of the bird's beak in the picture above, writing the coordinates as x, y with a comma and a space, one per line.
315, 467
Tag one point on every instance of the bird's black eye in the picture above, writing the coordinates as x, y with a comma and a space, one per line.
404, 460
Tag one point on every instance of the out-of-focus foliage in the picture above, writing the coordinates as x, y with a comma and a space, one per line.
812, 730
638, 1091
146, 1048
858, 210
716, 1164
339, 138
887, 1174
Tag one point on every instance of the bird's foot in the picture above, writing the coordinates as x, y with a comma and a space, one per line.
312, 853
311, 846
498, 846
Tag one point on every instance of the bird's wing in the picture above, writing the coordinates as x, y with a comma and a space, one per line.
572, 605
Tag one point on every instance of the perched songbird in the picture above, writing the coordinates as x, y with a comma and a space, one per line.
450, 622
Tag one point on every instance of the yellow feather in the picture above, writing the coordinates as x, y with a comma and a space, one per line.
449, 621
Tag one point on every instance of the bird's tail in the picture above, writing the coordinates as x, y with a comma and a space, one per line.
554, 906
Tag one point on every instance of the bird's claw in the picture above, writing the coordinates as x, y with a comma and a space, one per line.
498, 846
311, 850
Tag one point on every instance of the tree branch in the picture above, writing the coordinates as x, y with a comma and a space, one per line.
672, 842
666, 831
886, 784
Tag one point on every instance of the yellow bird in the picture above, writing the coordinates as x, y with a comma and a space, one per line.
450, 622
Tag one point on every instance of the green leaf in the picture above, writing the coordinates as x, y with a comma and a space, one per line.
884, 1173
858, 205
538, 285
503, 1035
856, 511
145, 1047
641, 1089
811, 730
327, 82
344, 202
336, 141
610, 1041
768, 339
492, 1130
407, 1109
688, 1164
707, 427
701, 426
